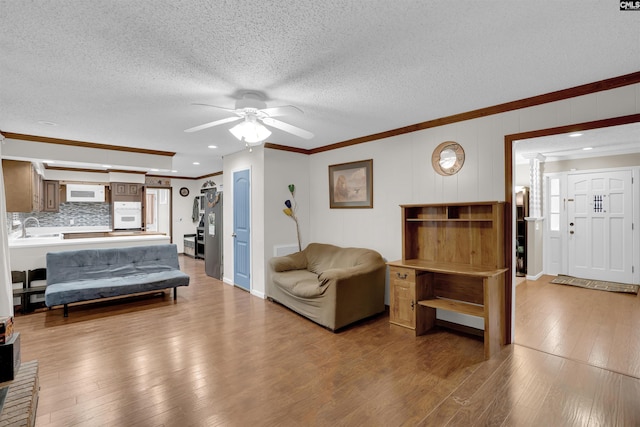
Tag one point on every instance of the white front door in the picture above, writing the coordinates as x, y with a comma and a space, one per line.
599, 221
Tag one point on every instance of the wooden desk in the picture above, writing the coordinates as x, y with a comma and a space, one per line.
418, 288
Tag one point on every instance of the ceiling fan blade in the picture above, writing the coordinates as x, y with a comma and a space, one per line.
287, 128
212, 124
282, 111
214, 106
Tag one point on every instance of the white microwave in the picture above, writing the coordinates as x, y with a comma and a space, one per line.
85, 193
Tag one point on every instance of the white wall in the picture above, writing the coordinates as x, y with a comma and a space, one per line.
402, 171
599, 162
254, 161
281, 169
402, 174
22, 149
64, 175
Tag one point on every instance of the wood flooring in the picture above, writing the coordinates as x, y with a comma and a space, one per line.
219, 356
591, 326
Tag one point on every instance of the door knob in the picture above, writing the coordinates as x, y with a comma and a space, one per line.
233, 234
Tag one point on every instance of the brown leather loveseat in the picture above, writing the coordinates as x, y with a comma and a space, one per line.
330, 285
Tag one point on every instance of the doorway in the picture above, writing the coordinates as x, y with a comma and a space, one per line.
510, 141
158, 208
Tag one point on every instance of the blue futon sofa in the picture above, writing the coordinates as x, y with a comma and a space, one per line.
90, 274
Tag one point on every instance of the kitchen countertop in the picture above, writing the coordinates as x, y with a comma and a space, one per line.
115, 233
58, 241
30, 253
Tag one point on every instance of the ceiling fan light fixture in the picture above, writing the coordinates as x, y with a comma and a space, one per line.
250, 131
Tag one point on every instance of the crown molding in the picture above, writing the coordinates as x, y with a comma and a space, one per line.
586, 89
48, 140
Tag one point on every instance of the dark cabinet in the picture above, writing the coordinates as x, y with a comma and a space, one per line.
126, 189
522, 212
22, 185
126, 192
200, 242
51, 191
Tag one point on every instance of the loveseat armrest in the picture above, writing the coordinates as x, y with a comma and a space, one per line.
295, 261
349, 272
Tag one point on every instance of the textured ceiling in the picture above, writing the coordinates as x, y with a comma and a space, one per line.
127, 72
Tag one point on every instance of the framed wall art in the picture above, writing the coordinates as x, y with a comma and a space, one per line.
351, 185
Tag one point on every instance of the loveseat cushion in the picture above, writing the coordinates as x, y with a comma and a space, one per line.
294, 261
301, 283
321, 257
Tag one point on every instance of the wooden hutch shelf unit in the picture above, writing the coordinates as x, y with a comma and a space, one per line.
452, 259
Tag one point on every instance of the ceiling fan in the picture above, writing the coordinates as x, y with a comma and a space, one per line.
253, 112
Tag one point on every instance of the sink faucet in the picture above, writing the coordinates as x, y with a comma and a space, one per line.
24, 223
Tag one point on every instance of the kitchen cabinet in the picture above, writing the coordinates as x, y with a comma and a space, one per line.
51, 190
126, 189
126, 192
23, 186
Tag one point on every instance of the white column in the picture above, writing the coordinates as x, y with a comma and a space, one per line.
535, 184
6, 294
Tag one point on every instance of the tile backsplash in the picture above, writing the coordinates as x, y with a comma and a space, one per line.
76, 214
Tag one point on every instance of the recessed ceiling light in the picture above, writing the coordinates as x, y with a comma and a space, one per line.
49, 162
196, 163
154, 170
106, 166
213, 146
47, 123
174, 171
587, 148
573, 135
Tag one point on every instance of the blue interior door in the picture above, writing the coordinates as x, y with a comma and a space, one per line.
241, 230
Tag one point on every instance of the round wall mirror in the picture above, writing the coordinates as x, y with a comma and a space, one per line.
447, 158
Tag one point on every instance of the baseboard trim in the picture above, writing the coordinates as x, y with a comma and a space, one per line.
258, 294
536, 277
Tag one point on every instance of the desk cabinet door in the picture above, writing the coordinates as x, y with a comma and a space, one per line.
402, 297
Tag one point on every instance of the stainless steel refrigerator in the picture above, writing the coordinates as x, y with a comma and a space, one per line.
213, 232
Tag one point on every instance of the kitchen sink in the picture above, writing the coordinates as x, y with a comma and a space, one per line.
41, 236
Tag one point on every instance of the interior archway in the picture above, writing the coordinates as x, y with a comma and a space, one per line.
509, 196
